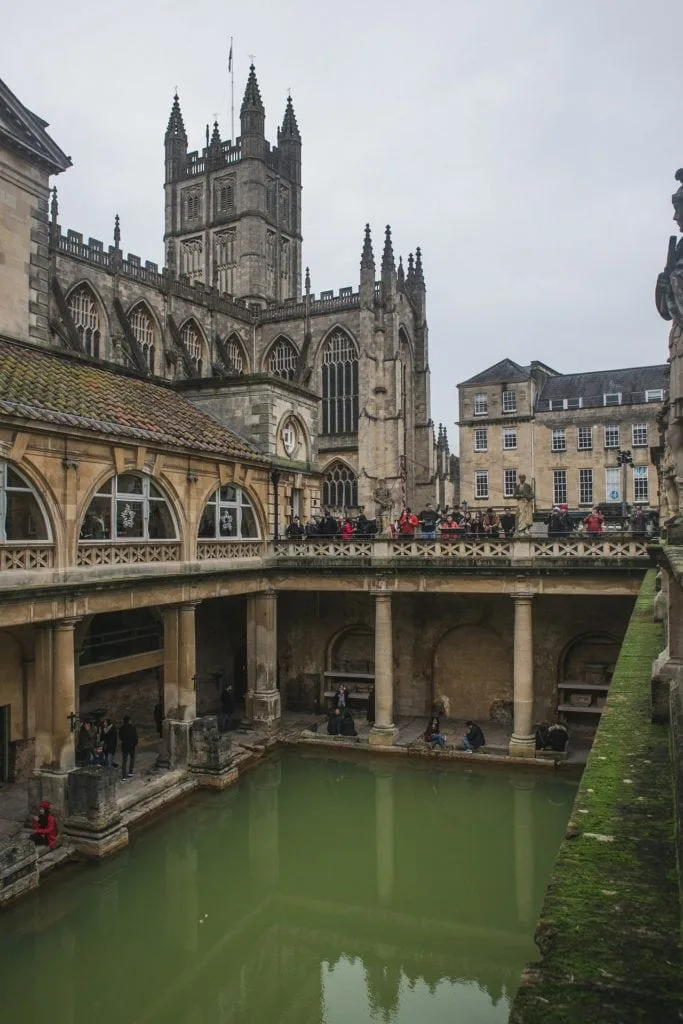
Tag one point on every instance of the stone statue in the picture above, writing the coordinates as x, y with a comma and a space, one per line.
524, 493
383, 504
669, 300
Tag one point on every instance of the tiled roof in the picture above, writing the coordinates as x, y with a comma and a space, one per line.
504, 372
24, 131
71, 391
632, 383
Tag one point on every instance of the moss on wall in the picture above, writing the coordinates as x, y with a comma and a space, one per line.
609, 931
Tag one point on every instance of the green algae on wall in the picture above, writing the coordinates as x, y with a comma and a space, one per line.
609, 931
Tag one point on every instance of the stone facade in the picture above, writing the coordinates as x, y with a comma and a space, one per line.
563, 432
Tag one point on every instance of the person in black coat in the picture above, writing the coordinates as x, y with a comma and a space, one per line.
558, 737
348, 726
334, 723
128, 736
473, 738
108, 742
370, 714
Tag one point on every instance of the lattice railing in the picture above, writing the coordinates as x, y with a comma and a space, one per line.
598, 547
451, 549
314, 548
91, 554
210, 549
27, 556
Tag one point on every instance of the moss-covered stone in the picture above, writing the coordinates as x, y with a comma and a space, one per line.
609, 931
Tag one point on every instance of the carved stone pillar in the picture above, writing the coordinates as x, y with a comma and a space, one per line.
187, 663
43, 693
170, 619
94, 823
383, 732
523, 743
64, 698
263, 697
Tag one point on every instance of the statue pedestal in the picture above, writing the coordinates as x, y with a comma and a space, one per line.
94, 825
210, 756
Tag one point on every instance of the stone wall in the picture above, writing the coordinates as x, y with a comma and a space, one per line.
133, 695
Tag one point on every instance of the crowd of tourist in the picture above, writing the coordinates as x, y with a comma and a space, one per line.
459, 522
99, 739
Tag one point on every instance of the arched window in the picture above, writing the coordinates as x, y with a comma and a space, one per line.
129, 507
142, 326
283, 359
21, 513
235, 353
340, 487
83, 308
340, 384
229, 515
193, 343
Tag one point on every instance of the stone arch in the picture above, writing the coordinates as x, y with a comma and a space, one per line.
351, 649
472, 667
326, 336
150, 339
303, 451
90, 318
157, 503
195, 342
339, 480
588, 649
281, 358
231, 512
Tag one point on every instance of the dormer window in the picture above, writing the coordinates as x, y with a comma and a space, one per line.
612, 398
654, 395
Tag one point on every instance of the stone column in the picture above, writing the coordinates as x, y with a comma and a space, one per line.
187, 663
522, 743
263, 697
383, 732
42, 655
170, 619
384, 834
64, 697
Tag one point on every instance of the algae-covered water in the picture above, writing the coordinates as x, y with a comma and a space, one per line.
316, 890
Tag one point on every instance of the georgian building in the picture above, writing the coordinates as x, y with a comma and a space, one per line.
564, 432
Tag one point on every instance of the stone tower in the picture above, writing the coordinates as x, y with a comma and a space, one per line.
233, 210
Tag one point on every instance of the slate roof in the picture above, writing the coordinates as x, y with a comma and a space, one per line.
23, 131
506, 371
73, 392
632, 382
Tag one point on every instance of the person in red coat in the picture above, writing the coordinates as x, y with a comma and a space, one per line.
45, 830
593, 522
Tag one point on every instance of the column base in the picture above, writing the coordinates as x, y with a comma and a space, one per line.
94, 825
48, 784
522, 746
263, 707
211, 757
383, 735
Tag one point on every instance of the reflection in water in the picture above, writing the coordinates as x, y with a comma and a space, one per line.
316, 891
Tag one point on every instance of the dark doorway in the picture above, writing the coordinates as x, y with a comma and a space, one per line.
4, 742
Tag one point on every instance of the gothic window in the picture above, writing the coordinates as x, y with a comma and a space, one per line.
192, 340
129, 507
192, 205
225, 197
284, 258
283, 359
340, 384
21, 513
284, 204
235, 353
225, 263
271, 197
142, 326
229, 515
83, 308
192, 259
340, 487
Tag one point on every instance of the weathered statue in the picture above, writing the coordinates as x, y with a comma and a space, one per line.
384, 501
669, 299
524, 493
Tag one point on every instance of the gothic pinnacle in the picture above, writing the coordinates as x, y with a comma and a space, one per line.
388, 254
307, 281
400, 273
215, 135
176, 126
419, 275
367, 260
252, 95
290, 129
410, 276
117, 232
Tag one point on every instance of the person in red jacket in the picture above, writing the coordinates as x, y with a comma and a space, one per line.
407, 524
593, 522
347, 530
45, 830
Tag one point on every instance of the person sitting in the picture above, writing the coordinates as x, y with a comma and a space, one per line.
473, 738
508, 521
433, 735
558, 737
334, 723
295, 530
347, 530
45, 830
370, 713
348, 726
593, 522
542, 736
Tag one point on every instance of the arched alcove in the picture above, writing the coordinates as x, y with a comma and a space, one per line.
472, 668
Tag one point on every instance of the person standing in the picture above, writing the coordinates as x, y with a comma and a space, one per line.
227, 707
428, 520
108, 742
370, 714
593, 522
407, 524
128, 735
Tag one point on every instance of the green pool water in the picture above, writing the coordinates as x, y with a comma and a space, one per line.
316, 890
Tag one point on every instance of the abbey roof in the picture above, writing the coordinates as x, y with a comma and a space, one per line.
24, 132
72, 391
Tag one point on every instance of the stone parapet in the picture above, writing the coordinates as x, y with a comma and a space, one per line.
94, 826
18, 869
210, 754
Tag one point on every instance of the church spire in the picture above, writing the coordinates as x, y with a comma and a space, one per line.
215, 135
400, 273
252, 112
290, 129
367, 260
419, 275
176, 125
410, 276
388, 264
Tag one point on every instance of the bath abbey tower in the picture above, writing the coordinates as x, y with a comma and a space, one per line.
335, 386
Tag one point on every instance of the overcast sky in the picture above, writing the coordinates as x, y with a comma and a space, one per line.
528, 146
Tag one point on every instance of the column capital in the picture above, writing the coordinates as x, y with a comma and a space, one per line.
522, 596
66, 624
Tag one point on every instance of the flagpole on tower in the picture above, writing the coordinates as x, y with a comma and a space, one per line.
232, 94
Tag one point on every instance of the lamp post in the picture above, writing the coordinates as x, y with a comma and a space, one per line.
624, 459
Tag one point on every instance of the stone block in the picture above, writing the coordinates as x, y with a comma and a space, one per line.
210, 754
381, 736
94, 825
177, 744
263, 706
18, 869
52, 786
